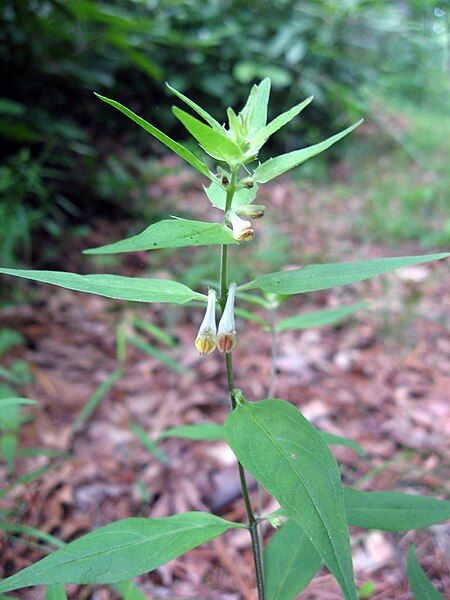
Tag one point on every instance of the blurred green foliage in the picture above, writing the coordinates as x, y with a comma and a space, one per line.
55, 136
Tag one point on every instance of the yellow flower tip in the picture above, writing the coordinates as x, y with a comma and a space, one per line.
205, 344
226, 342
245, 234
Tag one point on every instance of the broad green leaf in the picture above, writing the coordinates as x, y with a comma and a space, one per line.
289, 457
183, 152
421, 586
264, 134
277, 166
4, 402
98, 395
114, 286
290, 562
170, 233
216, 144
337, 440
313, 278
258, 114
149, 444
393, 511
121, 550
217, 196
56, 591
198, 431
319, 318
198, 109
144, 346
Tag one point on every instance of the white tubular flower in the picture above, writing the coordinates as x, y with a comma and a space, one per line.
205, 342
226, 335
242, 230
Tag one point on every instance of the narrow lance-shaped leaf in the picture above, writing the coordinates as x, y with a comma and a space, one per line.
264, 134
277, 166
319, 318
198, 109
215, 431
421, 586
216, 144
390, 511
183, 152
290, 562
170, 233
393, 511
313, 278
121, 550
257, 117
114, 286
197, 431
4, 402
289, 457
337, 440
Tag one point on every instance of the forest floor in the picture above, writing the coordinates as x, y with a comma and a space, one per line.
381, 378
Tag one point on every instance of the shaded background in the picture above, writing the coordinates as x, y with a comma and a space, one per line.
75, 174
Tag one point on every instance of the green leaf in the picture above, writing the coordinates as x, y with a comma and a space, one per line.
259, 104
198, 109
183, 152
9, 338
216, 144
114, 286
32, 532
129, 591
149, 444
337, 440
8, 448
155, 331
98, 395
289, 457
144, 346
198, 431
393, 511
264, 134
170, 233
217, 196
290, 562
55, 591
121, 550
313, 278
4, 402
421, 586
277, 166
319, 318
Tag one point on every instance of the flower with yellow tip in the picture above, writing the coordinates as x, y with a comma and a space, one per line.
205, 342
226, 334
242, 230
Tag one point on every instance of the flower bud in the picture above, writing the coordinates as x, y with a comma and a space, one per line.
205, 341
242, 230
226, 333
252, 211
247, 182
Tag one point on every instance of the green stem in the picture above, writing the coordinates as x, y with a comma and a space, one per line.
252, 522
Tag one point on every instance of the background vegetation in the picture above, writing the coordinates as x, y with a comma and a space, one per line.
64, 154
